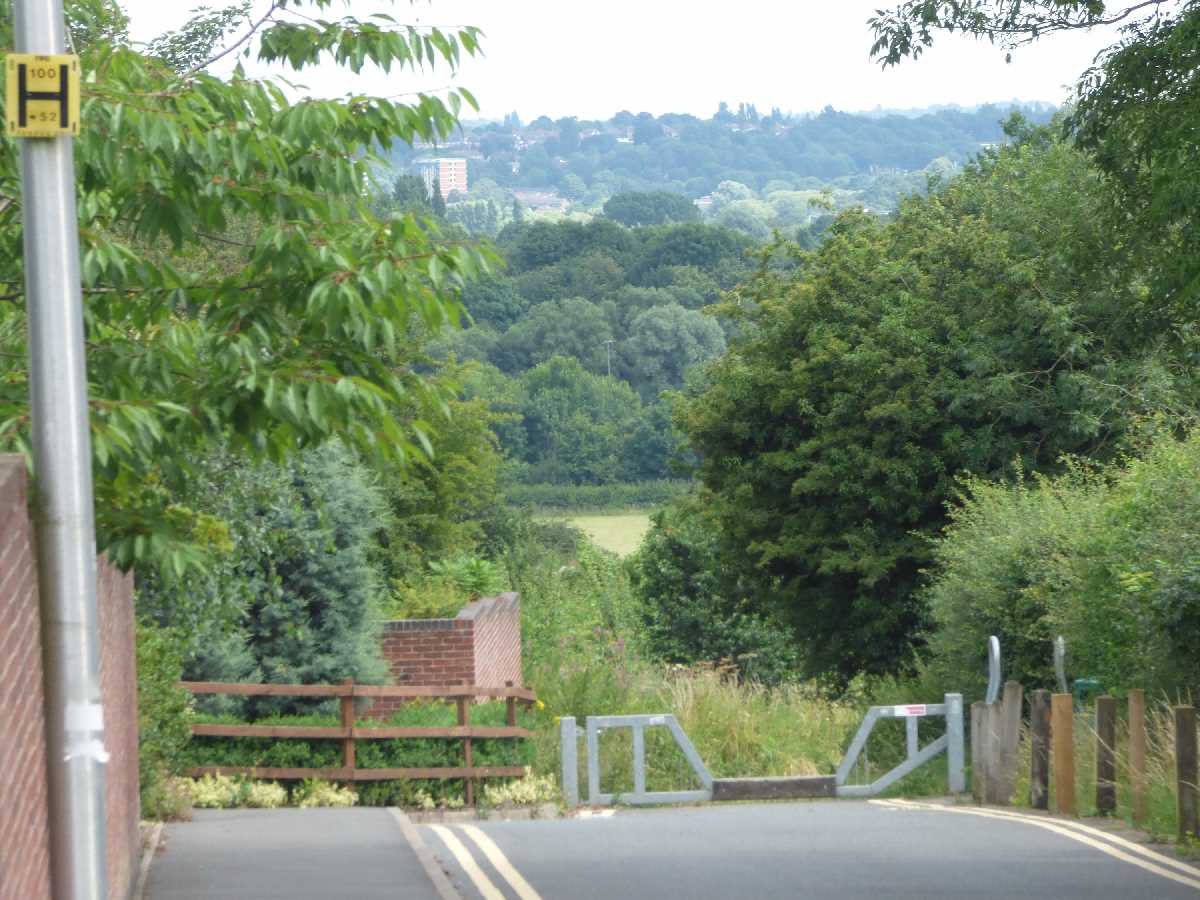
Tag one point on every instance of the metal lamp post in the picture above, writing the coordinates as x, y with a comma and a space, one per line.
64, 514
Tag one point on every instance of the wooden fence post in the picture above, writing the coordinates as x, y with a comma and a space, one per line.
348, 724
511, 710
1010, 713
1062, 737
991, 752
1039, 765
464, 719
1185, 770
1137, 752
978, 753
1106, 756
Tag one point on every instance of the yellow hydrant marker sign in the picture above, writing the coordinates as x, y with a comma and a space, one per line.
41, 95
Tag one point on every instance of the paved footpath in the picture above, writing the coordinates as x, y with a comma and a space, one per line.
297, 854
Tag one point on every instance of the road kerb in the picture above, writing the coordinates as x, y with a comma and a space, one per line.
139, 889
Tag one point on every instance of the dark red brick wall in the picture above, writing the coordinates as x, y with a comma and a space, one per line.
481, 646
24, 830
426, 652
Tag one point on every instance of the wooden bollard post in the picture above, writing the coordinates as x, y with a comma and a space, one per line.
1010, 738
1106, 755
991, 751
510, 712
1039, 746
978, 753
1185, 770
464, 719
348, 724
1137, 753
1062, 738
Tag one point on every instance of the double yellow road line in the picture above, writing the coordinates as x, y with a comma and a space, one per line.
1109, 844
494, 855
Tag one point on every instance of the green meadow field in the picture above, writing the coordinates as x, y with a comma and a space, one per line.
619, 532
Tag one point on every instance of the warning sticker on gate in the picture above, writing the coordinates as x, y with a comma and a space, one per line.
41, 95
901, 712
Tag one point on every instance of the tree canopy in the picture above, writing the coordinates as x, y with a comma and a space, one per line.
985, 326
239, 290
650, 208
1134, 111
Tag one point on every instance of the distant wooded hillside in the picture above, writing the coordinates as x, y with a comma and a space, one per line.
586, 162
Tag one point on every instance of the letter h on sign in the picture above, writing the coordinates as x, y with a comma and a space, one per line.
24, 95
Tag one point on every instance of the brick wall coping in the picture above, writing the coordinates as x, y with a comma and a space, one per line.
484, 605
476, 609
419, 625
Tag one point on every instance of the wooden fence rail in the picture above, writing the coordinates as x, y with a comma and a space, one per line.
348, 733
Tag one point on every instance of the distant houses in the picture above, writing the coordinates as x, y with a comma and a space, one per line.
542, 201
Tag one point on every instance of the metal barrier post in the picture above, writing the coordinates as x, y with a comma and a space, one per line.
569, 743
954, 742
593, 761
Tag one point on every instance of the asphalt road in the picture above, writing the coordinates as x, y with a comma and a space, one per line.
837, 850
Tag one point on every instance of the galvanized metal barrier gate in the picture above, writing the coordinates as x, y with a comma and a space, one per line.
638, 724
950, 742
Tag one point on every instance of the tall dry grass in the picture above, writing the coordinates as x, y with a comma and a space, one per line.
1161, 820
738, 728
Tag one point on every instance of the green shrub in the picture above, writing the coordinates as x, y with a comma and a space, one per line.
528, 791
571, 598
425, 597
213, 792
997, 571
1106, 559
264, 795
315, 792
164, 720
475, 577
375, 754
690, 615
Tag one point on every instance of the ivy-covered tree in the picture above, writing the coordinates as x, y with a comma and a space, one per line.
238, 289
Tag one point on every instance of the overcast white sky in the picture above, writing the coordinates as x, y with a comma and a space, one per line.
565, 57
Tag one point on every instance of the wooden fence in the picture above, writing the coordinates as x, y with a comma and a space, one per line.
995, 736
348, 733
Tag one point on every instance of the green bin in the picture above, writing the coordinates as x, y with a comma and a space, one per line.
1085, 689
